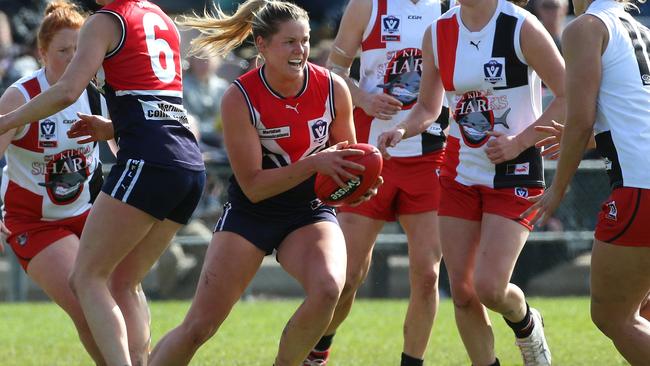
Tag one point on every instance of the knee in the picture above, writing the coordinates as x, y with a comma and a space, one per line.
491, 294
120, 288
424, 282
606, 320
463, 294
354, 279
327, 291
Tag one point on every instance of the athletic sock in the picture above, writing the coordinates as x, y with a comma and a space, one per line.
324, 343
524, 327
411, 361
496, 363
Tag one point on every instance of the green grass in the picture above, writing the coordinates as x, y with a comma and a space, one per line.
41, 334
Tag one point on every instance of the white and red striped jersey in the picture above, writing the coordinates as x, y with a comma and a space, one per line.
289, 128
47, 174
391, 63
489, 86
623, 119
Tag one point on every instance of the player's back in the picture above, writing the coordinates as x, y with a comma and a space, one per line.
142, 80
623, 120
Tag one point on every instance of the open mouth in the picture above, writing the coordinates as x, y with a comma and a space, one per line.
296, 63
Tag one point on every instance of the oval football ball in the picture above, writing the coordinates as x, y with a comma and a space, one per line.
334, 195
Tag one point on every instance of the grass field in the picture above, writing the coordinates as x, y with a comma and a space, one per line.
41, 334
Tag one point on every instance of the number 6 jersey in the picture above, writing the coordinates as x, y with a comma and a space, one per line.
142, 82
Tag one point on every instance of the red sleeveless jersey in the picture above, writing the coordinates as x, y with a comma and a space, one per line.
290, 128
148, 55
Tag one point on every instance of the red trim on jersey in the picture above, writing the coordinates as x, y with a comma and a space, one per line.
30, 140
373, 41
362, 123
452, 154
447, 36
22, 203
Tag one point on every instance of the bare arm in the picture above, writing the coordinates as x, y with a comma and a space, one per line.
347, 43
584, 41
427, 109
98, 36
342, 126
544, 57
10, 100
242, 143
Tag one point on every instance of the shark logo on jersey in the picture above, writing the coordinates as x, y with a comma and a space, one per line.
494, 71
390, 28
65, 175
475, 118
319, 131
402, 76
47, 133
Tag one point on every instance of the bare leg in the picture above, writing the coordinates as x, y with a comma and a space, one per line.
230, 264
424, 267
50, 269
360, 233
460, 240
501, 242
315, 256
125, 287
112, 230
619, 285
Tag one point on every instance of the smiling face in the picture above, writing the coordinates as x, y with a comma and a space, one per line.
286, 51
57, 54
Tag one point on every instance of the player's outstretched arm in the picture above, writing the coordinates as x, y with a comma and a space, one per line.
97, 37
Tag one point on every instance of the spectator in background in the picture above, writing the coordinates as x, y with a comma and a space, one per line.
202, 92
552, 14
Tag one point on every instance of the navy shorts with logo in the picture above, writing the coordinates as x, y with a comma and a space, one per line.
162, 192
267, 231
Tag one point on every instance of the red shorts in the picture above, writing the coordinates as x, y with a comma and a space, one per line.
28, 238
625, 218
471, 202
410, 187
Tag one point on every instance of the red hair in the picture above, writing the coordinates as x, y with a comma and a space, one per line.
59, 14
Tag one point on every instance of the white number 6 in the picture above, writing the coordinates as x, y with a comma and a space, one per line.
157, 46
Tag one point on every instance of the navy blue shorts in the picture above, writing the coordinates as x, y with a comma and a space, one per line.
268, 231
162, 192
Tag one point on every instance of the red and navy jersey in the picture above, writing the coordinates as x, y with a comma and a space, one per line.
289, 129
142, 81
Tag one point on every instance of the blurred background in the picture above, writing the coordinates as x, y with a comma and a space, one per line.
554, 262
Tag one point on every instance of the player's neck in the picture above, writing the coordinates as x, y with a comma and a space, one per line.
477, 16
285, 86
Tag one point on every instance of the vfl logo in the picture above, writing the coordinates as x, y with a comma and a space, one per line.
475, 44
612, 212
390, 28
494, 71
319, 131
521, 192
293, 108
21, 239
47, 133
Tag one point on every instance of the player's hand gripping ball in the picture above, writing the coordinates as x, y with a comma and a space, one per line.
334, 195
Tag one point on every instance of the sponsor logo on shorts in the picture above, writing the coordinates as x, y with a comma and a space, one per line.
612, 212
521, 192
21, 239
518, 169
274, 133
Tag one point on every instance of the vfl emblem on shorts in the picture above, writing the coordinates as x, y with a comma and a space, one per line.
319, 131
612, 212
22, 239
521, 192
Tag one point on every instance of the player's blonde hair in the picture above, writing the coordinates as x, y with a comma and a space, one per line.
221, 33
59, 14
